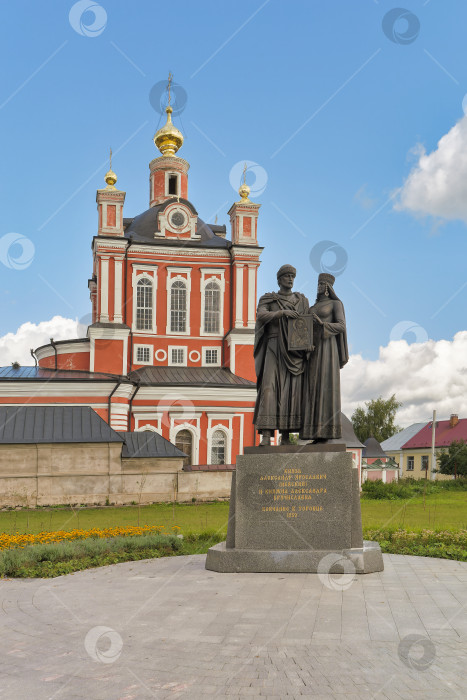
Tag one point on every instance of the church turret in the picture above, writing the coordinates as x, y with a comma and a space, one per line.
110, 206
244, 217
168, 174
245, 262
108, 335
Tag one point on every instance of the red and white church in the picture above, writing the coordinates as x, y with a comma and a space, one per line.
170, 346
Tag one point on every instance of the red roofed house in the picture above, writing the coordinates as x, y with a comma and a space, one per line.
416, 452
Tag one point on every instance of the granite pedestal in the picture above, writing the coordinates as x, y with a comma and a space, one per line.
295, 511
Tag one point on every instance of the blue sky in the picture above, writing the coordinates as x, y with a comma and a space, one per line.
315, 93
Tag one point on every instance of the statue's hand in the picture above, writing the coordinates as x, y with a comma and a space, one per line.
290, 313
317, 318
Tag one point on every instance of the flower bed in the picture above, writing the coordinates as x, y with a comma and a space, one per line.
23, 540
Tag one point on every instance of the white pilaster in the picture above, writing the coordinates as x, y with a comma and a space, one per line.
251, 295
118, 291
104, 282
239, 297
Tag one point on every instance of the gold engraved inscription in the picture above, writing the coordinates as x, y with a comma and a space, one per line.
290, 486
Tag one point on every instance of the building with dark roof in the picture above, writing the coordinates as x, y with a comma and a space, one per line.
27, 425
170, 345
373, 449
377, 464
51, 455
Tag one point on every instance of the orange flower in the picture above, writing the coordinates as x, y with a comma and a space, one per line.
21, 540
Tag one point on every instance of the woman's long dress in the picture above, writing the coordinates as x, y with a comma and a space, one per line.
321, 383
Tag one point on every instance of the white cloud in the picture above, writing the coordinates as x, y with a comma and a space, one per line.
437, 184
424, 376
15, 347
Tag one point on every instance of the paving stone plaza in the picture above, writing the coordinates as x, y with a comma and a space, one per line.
168, 628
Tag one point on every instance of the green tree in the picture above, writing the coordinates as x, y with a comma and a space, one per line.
377, 420
453, 460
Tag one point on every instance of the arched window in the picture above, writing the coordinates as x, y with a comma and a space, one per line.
178, 307
184, 442
212, 308
144, 305
218, 447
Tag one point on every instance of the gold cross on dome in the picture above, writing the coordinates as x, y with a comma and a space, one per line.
110, 159
169, 84
245, 168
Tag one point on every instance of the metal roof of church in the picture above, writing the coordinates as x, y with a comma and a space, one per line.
149, 376
53, 424
9, 373
143, 227
146, 443
188, 376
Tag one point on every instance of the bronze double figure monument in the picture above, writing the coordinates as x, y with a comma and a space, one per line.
299, 352
296, 508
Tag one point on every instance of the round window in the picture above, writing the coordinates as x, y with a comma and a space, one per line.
177, 219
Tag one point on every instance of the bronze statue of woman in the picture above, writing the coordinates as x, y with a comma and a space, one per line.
321, 383
279, 371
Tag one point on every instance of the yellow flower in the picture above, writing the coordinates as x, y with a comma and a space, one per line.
20, 540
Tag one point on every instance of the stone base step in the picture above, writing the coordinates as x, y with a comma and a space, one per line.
365, 560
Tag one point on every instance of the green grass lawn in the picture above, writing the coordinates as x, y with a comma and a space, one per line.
440, 510
446, 510
191, 518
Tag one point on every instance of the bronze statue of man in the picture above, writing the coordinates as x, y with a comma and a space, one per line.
321, 419
279, 371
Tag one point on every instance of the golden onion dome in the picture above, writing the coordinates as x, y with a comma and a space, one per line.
111, 179
168, 139
244, 191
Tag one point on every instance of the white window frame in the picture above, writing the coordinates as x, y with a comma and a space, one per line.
212, 275
177, 347
194, 430
140, 272
228, 441
179, 274
168, 175
136, 347
211, 364
142, 417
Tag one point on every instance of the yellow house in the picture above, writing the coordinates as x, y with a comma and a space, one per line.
411, 448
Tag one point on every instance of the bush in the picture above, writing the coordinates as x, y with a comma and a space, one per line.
408, 488
444, 544
377, 490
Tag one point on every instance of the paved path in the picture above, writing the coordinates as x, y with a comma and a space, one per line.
167, 628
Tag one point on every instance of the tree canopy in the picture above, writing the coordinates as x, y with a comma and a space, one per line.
453, 460
377, 420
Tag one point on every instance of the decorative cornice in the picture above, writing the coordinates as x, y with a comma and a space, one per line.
116, 195
179, 252
171, 163
251, 208
104, 243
